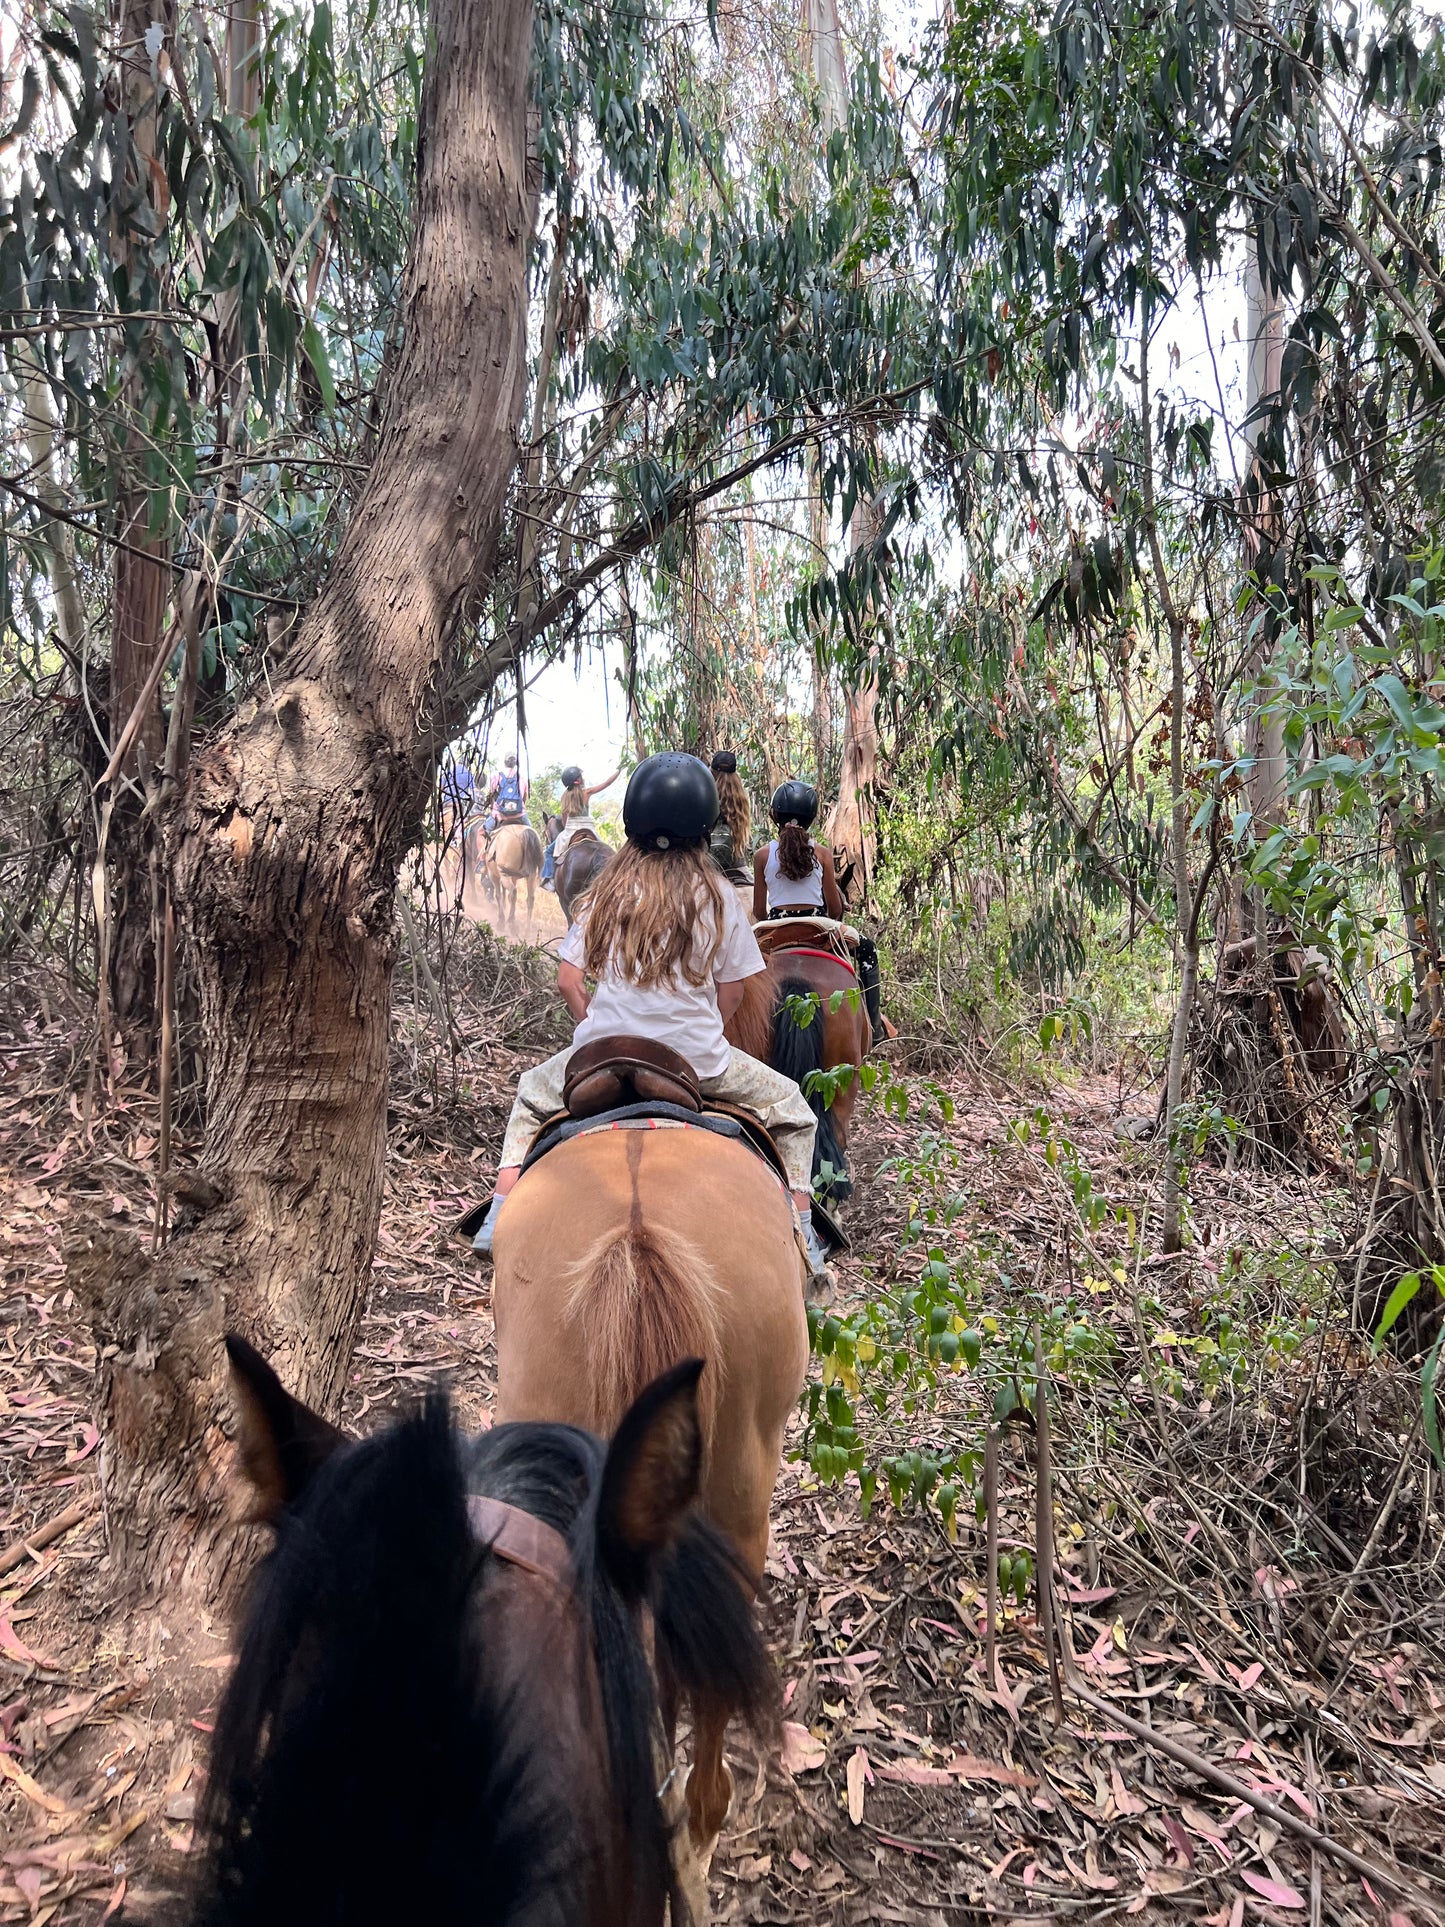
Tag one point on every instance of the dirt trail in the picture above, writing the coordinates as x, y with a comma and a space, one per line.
910, 1791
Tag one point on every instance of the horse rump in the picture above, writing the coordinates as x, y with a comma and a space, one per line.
798, 1052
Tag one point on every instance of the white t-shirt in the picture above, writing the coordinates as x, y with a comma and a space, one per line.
678, 1013
573, 827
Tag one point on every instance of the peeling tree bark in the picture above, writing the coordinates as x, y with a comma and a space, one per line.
284, 849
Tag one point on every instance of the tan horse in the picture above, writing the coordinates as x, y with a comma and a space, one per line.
620, 1253
513, 855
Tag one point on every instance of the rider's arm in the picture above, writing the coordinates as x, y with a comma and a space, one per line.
605, 784
832, 895
573, 986
760, 884
729, 996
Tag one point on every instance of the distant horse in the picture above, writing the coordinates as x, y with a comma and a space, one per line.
839, 1033
495, 1612
512, 855
619, 1253
578, 869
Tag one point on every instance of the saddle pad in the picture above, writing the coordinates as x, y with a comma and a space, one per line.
810, 950
640, 1114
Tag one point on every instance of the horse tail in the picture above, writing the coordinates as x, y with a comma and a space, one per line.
797, 1052
646, 1300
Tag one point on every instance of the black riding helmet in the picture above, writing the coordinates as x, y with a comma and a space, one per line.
724, 763
670, 799
571, 777
794, 802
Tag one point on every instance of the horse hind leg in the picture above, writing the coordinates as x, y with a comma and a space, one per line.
710, 1784
691, 1905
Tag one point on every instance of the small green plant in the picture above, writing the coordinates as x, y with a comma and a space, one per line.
1404, 1294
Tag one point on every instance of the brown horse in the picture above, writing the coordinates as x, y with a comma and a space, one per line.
504, 1610
619, 1253
766, 1025
512, 855
581, 862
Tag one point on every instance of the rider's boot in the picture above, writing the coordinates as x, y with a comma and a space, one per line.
483, 1241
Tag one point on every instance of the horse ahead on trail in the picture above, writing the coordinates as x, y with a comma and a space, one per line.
508, 1616
621, 1251
578, 868
512, 855
805, 1014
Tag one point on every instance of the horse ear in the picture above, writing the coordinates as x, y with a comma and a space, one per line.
652, 1475
283, 1442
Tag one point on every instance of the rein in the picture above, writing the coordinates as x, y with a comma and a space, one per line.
526, 1541
521, 1538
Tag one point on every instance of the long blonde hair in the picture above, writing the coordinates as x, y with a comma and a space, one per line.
645, 911
734, 808
574, 802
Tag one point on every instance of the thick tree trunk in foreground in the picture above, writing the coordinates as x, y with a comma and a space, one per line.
284, 853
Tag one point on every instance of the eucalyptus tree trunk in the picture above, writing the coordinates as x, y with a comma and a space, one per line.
42, 474
284, 846
1265, 737
850, 827
141, 577
1188, 926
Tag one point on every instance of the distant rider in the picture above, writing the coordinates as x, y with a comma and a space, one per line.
575, 816
734, 825
794, 877
508, 797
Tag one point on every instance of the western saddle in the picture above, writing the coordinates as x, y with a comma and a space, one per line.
629, 1081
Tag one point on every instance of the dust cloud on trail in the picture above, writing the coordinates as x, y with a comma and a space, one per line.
546, 925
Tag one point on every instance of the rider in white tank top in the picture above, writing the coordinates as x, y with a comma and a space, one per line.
793, 893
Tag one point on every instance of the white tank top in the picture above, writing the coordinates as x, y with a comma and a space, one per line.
789, 893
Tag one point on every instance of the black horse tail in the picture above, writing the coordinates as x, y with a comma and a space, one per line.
797, 1053
869, 978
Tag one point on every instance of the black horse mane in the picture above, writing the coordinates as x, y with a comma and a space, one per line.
363, 1768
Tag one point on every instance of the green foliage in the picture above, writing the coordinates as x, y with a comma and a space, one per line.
1400, 1299
946, 1353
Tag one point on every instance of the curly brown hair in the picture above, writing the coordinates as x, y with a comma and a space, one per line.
646, 911
797, 855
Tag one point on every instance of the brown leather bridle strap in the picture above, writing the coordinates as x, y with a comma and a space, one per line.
521, 1538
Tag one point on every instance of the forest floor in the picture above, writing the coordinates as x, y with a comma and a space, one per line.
1207, 1528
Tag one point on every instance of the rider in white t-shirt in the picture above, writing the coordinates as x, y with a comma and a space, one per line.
683, 1011
668, 950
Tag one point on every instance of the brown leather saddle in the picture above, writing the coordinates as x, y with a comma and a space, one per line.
787, 931
612, 1071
